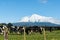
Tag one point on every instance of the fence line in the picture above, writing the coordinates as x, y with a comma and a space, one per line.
44, 33
24, 33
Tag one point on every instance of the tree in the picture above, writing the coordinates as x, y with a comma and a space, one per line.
9, 24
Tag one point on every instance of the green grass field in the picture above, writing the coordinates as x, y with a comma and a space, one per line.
54, 35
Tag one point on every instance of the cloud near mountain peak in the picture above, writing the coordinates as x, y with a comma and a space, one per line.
39, 18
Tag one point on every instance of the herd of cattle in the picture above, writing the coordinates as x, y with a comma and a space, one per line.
28, 30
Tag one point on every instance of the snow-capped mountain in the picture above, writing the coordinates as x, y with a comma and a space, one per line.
39, 18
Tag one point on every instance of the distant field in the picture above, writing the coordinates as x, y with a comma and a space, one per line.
54, 35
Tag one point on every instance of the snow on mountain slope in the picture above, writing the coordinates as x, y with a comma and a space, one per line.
39, 18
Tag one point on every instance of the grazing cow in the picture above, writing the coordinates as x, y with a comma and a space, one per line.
27, 29
50, 29
13, 29
0, 30
33, 29
40, 29
20, 30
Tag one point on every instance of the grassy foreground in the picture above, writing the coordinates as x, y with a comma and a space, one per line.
54, 35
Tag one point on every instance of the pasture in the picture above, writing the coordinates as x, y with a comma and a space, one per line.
54, 35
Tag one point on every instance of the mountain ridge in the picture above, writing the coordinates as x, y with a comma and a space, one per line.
34, 24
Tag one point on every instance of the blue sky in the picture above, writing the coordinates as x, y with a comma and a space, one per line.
14, 10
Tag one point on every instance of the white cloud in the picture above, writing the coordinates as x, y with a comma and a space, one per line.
43, 1
39, 18
24, 19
